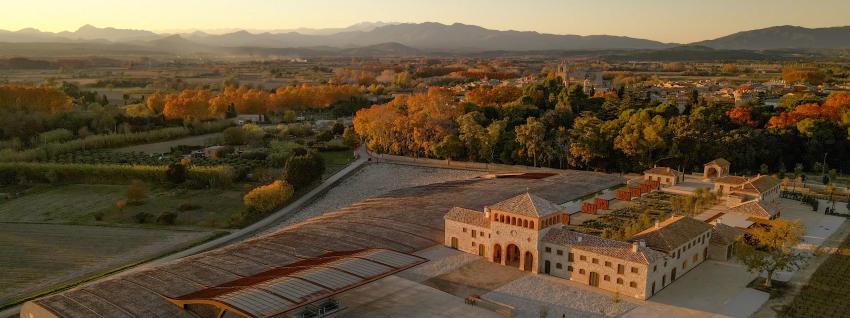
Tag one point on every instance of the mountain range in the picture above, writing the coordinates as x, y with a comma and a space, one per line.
405, 39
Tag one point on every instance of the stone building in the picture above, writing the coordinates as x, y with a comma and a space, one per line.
716, 168
664, 175
526, 232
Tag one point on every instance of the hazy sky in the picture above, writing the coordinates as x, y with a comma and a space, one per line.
663, 20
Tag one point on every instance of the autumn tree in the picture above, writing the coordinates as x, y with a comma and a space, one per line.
137, 192
493, 96
266, 198
769, 247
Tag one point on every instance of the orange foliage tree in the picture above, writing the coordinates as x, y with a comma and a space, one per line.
34, 99
797, 74
493, 96
188, 104
742, 115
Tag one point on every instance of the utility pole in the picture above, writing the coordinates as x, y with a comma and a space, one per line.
823, 168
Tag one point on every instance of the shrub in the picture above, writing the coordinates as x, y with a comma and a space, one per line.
98, 216
234, 136
176, 173
264, 199
167, 218
142, 217
56, 135
300, 171
137, 192
211, 176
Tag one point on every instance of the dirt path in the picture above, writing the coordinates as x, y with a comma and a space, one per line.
773, 307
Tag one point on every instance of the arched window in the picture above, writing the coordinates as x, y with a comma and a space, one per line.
531, 224
619, 281
502, 219
513, 220
607, 278
524, 223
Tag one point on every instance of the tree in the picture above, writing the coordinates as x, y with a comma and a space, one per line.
264, 199
177, 173
137, 192
642, 136
587, 142
471, 133
530, 138
349, 137
449, 148
769, 248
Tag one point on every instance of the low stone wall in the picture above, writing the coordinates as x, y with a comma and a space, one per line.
466, 165
502, 309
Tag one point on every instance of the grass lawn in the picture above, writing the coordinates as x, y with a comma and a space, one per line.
36, 258
828, 292
80, 204
336, 161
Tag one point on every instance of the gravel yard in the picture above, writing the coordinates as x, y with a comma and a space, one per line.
560, 298
373, 180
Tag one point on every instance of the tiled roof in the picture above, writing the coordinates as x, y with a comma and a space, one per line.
763, 183
665, 171
601, 245
672, 233
720, 161
527, 204
731, 180
468, 216
756, 209
723, 234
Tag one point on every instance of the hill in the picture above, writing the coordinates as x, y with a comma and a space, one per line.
784, 37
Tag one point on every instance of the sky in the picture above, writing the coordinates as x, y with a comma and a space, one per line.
680, 21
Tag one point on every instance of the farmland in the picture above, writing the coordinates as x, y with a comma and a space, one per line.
71, 253
827, 293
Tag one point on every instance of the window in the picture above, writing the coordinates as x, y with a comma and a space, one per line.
473, 243
606, 278
696, 258
621, 269
464, 230
531, 224
570, 257
654, 268
634, 270
581, 271
685, 265
548, 249
569, 268
619, 281
594, 260
560, 252
559, 266
474, 233
582, 257
607, 264
632, 284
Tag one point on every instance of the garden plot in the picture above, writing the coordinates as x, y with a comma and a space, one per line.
40, 257
165, 146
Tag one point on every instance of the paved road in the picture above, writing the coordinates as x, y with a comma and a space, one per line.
244, 233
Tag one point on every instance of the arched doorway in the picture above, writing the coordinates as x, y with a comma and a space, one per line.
481, 250
653, 289
705, 254
529, 262
454, 243
512, 256
546, 266
673, 275
497, 254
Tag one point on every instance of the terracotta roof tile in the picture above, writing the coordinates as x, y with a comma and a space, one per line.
527, 204
664, 171
468, 216
601, 245
756, 209
723, 234
672, 233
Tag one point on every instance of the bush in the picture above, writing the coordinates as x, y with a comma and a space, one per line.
188, 207
142, 217
56, 135
264, 199
137, 192
166, 218
176, 173
234, 136
301, 171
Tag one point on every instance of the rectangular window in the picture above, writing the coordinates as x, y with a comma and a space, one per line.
621, 269
595, 260
634, 270
582, 257
570, 257
560, 252
548, 249
696, 258
464, 230
569, 268
473, 233
559, 266
607, 264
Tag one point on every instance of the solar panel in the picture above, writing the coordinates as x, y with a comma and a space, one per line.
294, 289
360, 267
255, 301
328, 277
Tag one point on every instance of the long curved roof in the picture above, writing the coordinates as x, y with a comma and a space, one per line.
405, 220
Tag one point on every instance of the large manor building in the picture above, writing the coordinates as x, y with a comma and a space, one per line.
530, 233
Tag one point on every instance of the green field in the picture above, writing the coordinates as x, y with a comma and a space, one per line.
35, 258
80, 204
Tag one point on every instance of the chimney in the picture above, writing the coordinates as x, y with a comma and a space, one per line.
642, 243
578, 239
486, 212
657, 225
635, 246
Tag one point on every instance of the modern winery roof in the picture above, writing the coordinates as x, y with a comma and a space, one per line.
405, 221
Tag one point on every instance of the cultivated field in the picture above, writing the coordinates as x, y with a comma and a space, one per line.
95, 204
828, 292
165, 146
35, 258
